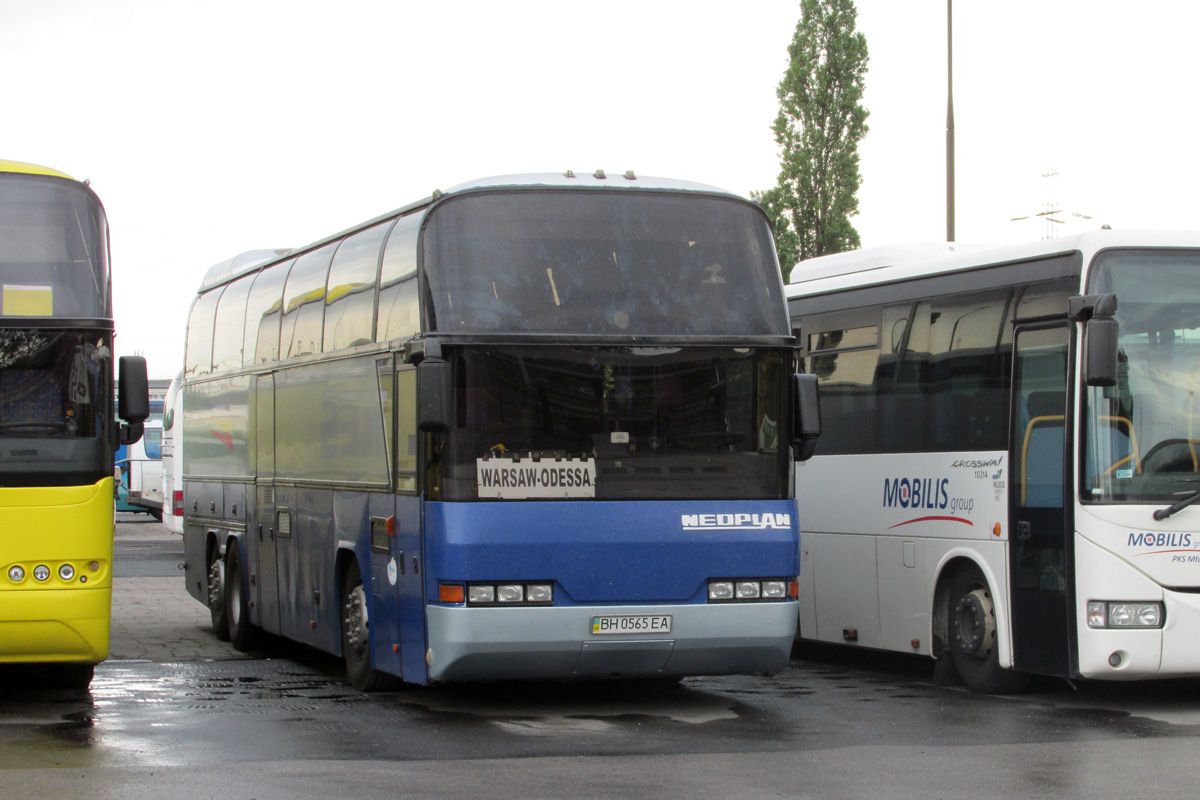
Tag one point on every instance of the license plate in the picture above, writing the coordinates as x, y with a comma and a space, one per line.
619, 624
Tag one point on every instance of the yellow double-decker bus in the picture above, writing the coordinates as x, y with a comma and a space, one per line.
58, 432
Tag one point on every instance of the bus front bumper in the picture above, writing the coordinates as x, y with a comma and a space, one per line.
548, 643
45, 626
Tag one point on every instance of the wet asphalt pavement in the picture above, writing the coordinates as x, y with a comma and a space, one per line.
182, 715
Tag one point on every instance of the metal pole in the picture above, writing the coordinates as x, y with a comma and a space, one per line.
949, 121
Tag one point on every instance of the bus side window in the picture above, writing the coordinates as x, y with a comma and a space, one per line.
200, 334
304, 304
399, 312
263, 310
230, 324
350, 291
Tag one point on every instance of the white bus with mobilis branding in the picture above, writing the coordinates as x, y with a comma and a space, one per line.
1010, 457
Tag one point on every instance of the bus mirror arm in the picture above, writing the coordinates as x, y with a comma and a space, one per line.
130, 432
806, 416
434, 389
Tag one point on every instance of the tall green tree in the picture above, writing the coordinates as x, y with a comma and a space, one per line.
821, 121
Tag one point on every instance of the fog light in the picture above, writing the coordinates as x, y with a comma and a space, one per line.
774, 590
481, 594
66, 572
720, 590
16, 573
510, 593
1115, 660
539, 593
748, 590
41, 572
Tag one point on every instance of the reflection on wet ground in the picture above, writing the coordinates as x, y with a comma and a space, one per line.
141, 714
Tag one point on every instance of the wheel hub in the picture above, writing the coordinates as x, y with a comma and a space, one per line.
975, 624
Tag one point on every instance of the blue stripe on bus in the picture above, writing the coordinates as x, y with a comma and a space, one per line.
611, 552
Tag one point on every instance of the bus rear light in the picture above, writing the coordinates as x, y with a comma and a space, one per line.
16, 573
177, 503
753, 590
1114, 614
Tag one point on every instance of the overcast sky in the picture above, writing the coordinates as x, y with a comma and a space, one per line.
211, 128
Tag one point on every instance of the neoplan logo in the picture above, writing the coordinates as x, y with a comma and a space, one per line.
735, 522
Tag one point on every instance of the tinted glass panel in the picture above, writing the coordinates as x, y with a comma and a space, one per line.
53, 249
263, 310
602, 262
200, 334
663, 423
304, 304
350, 292
1143, 440
399, 309
230, 325
938, 380
56, 407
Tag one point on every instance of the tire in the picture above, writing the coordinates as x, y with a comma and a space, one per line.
356, 636
216, 595
244, 634
973, 640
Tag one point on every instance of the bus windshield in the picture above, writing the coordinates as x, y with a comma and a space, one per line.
53, 249
1143, 435
615, 423
602, 263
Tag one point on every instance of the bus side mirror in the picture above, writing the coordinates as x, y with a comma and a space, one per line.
806, 416
434, 390
1102, 331
133, 397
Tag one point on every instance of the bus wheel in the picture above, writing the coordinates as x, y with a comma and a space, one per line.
242, 632
973, 642
216, 594
356, 638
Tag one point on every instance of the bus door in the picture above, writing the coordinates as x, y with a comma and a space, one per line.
409, 523
265, 525
1041, 559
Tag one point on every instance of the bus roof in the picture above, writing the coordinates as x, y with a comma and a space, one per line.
900, 262
31, 169
238, 265
247, 262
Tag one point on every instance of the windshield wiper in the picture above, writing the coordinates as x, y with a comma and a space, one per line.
1171, 510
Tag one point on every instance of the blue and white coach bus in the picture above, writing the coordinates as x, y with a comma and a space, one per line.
1012, 445
534, 427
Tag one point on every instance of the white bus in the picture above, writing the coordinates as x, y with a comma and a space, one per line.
1011, 442
172, 457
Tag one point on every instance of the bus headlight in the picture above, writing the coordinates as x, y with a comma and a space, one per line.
754, 590
16, 573
41, 573
720, 590
66, 572
1116, 614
